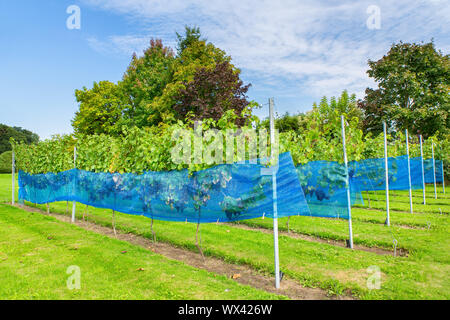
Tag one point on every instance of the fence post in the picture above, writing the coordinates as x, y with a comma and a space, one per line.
74, 183
349, 205
423, 170
275, 204
386, 168
443, 176
409, 173
13, 180
434, 169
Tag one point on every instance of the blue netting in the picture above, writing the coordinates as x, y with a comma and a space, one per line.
229, 192
369, 174
223, 193
324, 185
428, 167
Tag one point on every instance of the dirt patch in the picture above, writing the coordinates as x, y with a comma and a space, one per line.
248, 276
295, 235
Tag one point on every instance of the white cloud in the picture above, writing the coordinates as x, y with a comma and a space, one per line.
319, 47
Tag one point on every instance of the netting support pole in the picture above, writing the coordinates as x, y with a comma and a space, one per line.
409, 172
423, 170
274, 190
13, 180
386, 170
349, 204
443, 177
434, 169
74, 166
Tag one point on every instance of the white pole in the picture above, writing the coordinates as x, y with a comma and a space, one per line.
74, 166
388, 222
409, 173
13, 180
349, 205
423, 170
434, 169
275, 206
443, 176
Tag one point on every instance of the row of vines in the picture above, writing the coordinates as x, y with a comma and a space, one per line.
140, 150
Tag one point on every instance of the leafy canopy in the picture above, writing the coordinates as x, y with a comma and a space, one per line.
19, 134
413, 90
200, 81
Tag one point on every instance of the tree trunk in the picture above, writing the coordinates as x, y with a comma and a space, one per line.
85, 213
48, 208
197, 236
153, 232
287, 223
368, 197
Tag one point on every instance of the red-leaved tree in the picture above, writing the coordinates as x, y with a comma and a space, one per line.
213, 92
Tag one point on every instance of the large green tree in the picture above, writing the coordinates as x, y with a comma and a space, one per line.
413, 90
144, 80
160, 87
101, 109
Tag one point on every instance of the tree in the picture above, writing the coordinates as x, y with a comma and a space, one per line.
413, 83
212, 92
374, 112
144, 80
196, 56
287, 122
101, 109
191, 36
6, 162
19, 135
200, 81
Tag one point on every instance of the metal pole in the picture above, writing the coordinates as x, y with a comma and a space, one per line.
275, 206
74, 166
434, 169
443, 176
13, 180
409, 173
423, 170
388, 222
349, 205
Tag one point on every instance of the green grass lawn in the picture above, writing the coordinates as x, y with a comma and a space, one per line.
422, 275
36, 250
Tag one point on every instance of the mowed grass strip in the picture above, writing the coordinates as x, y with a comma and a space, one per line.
5, 187
36, 250
431, 244
336, 269
423, 275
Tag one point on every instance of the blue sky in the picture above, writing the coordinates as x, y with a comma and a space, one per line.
295, 51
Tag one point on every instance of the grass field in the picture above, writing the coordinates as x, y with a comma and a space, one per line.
423, 274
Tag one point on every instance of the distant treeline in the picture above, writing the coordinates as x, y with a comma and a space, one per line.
19, 134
